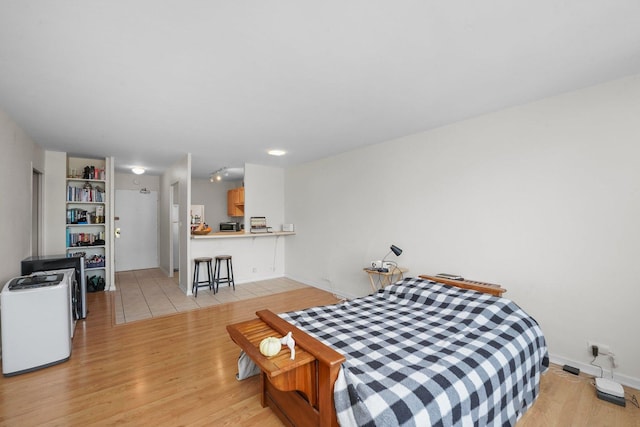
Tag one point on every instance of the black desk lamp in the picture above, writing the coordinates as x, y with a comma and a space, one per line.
396, 250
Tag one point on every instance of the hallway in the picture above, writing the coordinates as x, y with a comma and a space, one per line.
144, 294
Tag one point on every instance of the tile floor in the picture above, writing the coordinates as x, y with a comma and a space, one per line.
143, 294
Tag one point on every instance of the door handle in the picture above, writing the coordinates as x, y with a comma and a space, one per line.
117, 233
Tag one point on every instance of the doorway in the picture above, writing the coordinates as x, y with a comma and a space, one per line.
137, 245
174, 235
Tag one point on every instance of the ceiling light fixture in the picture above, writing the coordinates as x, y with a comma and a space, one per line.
137, 170
277, 152
217, 175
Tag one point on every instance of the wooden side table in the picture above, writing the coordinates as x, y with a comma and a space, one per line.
384, 278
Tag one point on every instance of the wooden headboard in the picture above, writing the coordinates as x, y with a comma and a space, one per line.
488, 288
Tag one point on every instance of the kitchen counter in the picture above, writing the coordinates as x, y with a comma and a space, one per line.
257, 256
239, 234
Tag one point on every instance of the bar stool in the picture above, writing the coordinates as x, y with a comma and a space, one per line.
216, 272
196, 279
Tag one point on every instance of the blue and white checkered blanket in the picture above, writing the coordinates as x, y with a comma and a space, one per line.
424, 354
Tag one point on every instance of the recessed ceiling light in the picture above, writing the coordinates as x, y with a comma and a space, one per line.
277, 152
137, 170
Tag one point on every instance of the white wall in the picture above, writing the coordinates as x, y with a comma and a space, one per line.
131, 181
54, 206
543, 199
20, 155
180, 173
264, 194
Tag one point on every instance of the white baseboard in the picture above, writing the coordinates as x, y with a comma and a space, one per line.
595, 371
325, 286
243, 279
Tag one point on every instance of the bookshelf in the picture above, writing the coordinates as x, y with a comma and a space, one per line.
87, 216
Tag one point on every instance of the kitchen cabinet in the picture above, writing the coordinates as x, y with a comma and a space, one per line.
235, 202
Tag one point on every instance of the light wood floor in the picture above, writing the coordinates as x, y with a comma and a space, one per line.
179, 370
569, 400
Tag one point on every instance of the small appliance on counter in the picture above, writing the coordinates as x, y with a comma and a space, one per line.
230, 226
259, 225
36, 320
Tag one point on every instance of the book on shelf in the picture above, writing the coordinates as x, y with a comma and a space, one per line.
85, 239
80, 216
80, 194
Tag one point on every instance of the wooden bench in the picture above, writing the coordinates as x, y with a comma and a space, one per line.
299, 391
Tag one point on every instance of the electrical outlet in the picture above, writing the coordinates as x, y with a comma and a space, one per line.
254, 269
603, 349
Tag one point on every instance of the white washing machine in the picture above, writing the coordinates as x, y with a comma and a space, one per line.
74, 293
35, 320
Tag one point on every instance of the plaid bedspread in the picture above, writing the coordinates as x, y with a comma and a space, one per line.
425, 354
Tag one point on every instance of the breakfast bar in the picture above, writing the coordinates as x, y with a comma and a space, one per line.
240, 235
256, 256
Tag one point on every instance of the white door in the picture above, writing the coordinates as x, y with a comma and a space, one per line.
137, 246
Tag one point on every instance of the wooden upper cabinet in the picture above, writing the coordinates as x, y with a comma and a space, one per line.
235, 202
240, 201
231, 205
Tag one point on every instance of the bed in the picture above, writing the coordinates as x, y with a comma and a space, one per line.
415, 353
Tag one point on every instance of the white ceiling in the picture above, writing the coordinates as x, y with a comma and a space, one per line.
147, 81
